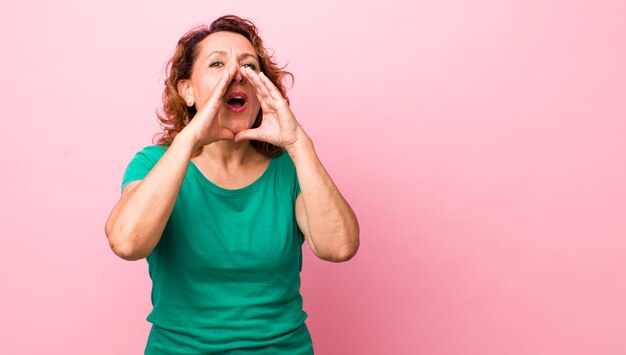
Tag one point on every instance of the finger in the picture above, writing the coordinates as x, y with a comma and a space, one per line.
270, 87
249, 134
261, 92
213, 104
257, 84
220, 88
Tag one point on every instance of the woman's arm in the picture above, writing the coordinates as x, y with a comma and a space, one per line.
323, 215
137, 221
326, 219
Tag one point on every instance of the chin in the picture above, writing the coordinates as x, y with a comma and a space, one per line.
235, 126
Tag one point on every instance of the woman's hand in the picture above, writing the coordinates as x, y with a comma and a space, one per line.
279, 126
204, 128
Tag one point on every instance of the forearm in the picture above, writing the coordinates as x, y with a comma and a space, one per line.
330, 221
138, 220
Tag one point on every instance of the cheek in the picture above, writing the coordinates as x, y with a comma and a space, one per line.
254, 102
204, 86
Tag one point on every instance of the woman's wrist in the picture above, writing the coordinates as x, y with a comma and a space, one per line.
301, 143
186, 141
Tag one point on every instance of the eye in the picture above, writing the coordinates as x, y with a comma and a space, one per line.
216, 64
250, 65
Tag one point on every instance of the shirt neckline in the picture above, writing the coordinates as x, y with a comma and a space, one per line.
223, 191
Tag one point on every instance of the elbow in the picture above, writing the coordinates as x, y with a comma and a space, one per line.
126, 251
350, 251
340, 256
347, 251
122, 245
345, 255
353, 242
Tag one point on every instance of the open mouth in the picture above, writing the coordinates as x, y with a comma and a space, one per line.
237, 101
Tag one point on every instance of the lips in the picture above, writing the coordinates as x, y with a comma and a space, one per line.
237, 101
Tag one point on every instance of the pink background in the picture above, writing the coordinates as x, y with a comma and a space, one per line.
480, 143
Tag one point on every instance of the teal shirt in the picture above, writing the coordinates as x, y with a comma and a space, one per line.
226, 271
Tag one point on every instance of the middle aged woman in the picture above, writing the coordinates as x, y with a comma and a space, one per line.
214, 206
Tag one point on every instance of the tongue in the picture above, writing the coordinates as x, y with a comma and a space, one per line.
235, 102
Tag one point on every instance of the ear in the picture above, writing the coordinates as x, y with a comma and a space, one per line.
186, 91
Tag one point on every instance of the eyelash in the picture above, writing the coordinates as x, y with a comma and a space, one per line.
250, 65
216, 64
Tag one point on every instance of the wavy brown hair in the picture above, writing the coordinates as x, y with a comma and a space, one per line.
175, 114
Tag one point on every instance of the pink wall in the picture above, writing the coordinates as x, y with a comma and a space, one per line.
480, 143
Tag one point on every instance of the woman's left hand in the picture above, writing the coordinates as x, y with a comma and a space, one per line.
279, 126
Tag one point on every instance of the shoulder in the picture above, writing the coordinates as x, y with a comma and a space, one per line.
151, 153
141, 164
283, 161
286, 173
157, 150
284, 166
146, 158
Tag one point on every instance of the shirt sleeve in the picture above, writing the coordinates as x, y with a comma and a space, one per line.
141, 164
293, 174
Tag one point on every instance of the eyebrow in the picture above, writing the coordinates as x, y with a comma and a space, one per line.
244, 55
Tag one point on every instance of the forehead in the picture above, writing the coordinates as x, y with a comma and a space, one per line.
228, 42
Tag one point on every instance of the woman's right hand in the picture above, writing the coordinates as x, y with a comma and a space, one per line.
203, 129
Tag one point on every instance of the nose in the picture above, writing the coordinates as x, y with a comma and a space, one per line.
238, 78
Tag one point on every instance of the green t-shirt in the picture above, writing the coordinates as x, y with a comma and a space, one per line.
226, 271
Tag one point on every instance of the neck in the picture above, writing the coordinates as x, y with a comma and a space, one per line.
229, 153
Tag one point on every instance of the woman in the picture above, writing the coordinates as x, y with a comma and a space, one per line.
222, 205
